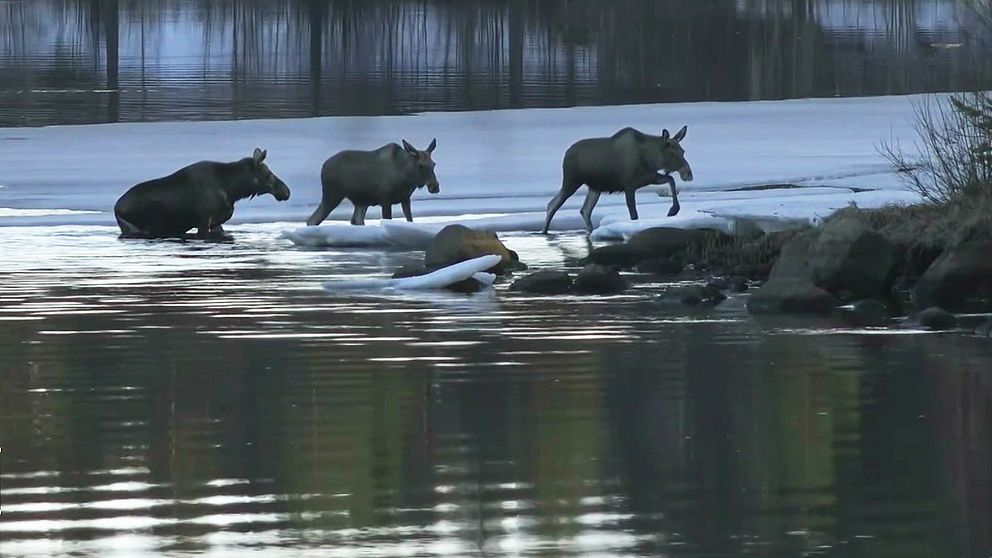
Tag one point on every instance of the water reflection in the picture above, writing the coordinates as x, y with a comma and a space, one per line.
71, 61
213, 400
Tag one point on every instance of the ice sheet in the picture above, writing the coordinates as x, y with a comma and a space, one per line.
503, 165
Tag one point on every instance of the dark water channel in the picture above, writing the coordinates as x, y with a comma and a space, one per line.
86, 61
190, 399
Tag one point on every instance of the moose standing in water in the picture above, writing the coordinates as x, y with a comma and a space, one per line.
382, 177
624, 162
201, 195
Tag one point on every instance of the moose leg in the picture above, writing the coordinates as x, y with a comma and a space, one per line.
327, 205
592, 197
358, 217
667, 179
387, 211
567, 189
407, 211
631, 204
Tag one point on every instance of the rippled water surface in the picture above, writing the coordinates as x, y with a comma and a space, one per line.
189, 398
75, 61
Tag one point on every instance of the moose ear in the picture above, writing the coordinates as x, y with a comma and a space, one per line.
680, 134
410, 149
432, 146
259, 155
664, 136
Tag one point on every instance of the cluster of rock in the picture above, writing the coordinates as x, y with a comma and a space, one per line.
847, 263
844, 266
659, 251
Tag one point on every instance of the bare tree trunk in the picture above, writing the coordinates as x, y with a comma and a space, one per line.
316, 50
111, 24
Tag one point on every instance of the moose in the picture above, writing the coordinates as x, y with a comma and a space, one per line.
201, 195
383, 177
624, 162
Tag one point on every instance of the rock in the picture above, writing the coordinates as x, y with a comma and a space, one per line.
984, 330
599, 279
666, 241
544, 282
738, 284
465, 286
617, 255
457, 243
693, 295
960, 279
718, 283
790, 295
793, 260
847, 257
661, 266
866, 313
936, 318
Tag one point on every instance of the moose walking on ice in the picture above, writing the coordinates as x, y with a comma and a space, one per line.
383, 177
624, 162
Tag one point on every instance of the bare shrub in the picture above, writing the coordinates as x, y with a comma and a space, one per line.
953, 158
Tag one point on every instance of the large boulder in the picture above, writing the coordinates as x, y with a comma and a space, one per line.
960, 279
666, 241
599, 279
544, 282
458, 243
656, 243
793, 259
617, 255
791, 295
848, 258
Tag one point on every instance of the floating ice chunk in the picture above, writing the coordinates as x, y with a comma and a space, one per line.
474, 268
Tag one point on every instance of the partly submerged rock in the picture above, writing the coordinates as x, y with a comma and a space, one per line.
960, 279
457, 243
544, 282
790, 295
599, 279
469, 285
866, 313
623, 256
692, 295
665, 265
936, 318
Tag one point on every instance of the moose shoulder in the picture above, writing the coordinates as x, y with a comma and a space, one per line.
200, 196
383, 177
624, 162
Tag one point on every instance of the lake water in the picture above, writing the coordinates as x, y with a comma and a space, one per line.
191, 399
86, 61
202, 399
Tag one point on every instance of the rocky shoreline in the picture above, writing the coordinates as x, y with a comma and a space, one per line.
872, 267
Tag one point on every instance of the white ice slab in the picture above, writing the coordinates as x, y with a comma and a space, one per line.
474, 268
769, 210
